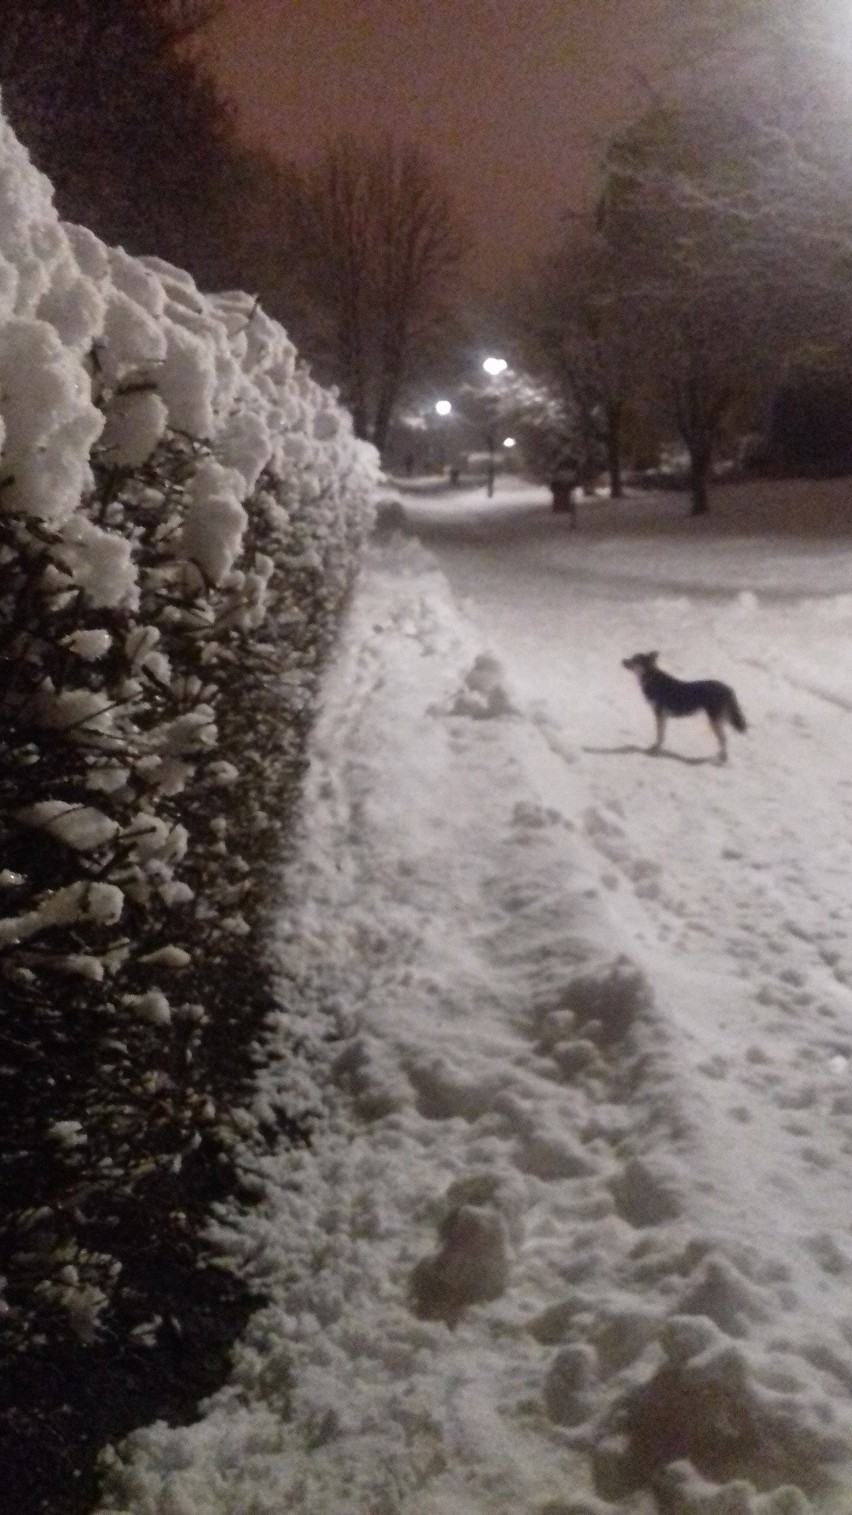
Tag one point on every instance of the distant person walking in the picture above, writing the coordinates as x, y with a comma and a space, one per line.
564, 481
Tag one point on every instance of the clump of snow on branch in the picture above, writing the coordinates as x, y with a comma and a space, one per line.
215, 520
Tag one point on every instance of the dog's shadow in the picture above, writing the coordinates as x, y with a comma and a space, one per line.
632, 749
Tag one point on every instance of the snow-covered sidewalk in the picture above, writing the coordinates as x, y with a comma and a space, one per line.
574, 1234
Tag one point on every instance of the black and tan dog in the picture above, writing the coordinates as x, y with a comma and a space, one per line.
669, 696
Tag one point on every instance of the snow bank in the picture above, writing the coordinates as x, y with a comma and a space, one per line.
546, 1253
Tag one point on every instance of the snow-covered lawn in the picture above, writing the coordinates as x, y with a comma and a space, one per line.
575, 1233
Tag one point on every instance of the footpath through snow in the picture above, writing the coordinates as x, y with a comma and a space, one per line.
575, 1234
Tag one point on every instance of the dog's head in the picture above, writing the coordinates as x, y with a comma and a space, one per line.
641, 662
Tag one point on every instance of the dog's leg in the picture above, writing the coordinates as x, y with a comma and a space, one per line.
719, 733
661, 731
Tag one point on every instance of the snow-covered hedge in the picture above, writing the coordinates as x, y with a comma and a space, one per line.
181, 508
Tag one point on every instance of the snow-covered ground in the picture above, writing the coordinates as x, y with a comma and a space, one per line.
575, 1234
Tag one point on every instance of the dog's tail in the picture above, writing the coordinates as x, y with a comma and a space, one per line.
735, 715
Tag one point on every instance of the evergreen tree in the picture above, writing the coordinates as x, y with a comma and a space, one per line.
111, 99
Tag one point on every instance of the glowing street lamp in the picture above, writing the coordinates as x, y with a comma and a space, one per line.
495, 366
443, 408
509, 442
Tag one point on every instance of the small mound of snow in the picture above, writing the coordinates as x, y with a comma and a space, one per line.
646, 1193
471, 1265
719, 1407
390, 518
483, 695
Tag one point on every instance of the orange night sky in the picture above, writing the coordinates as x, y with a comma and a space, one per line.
514, 99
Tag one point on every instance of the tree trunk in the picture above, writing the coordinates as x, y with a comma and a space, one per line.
699, 411
385, 407
360, 424
613, 453
699, 478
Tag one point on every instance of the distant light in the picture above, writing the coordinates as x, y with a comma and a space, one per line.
508, 441
443, 407
494, 366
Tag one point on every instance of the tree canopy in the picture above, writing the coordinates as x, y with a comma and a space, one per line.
720, 263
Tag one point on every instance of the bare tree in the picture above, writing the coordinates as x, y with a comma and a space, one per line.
377, 247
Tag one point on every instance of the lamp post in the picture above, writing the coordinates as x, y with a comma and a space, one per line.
488, 399
443, 408
493, 367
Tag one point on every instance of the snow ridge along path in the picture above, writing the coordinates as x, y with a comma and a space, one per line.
574, 1235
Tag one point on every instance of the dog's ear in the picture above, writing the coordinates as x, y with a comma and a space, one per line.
652, 656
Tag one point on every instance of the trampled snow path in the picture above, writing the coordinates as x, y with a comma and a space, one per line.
577, 1232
